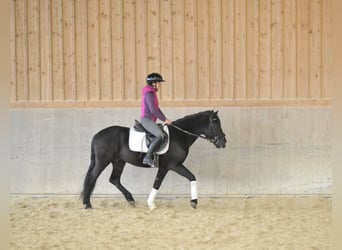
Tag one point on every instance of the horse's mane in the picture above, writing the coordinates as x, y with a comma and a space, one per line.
188, 117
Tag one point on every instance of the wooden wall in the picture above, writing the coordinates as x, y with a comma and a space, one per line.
67, 53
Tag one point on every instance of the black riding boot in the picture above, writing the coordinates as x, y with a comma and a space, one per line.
152, 148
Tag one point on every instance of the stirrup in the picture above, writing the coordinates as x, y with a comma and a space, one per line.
155, 161
147, 162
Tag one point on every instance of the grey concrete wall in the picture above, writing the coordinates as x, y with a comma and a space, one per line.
271, 150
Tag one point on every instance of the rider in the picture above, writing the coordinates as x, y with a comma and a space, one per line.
150, 112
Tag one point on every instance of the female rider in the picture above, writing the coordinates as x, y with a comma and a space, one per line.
150, 112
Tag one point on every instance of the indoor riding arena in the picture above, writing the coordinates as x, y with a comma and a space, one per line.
78, 67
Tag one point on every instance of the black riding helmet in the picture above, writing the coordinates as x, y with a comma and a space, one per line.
154, 77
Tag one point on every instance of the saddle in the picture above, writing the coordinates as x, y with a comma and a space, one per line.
140, 139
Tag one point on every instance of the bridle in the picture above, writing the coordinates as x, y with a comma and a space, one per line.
216, 139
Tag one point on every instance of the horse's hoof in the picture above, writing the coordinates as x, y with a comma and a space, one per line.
194, 203
131, 203
152, 206
88, 206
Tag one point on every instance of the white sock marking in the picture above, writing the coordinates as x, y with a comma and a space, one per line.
151, 197
194, 194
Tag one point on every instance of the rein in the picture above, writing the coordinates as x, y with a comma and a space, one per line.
189, 133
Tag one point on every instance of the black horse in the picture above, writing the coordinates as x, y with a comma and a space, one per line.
110, 145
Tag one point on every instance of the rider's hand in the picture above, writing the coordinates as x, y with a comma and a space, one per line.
168, 122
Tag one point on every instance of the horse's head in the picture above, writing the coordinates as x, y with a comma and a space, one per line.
214, 132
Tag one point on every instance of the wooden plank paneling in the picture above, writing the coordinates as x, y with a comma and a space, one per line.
21, 50
141, 44
215, 74
45, 51
166, 49
153, 36
117, 50
81, 14
326, 49
203, 49
315, 45
290, 59
69, 49
240, 50
105, 51
252, 46
303, 58
277, 45
129, 50
227, 50
57, 50
264, 49
34, 48
190, 50
93, 50
209, 52
178, 49
13, 83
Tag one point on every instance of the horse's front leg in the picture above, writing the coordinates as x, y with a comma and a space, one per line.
156, 185
183, 171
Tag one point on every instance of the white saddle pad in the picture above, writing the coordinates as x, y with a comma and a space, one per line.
137, 141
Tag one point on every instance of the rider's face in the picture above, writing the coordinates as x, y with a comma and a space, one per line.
157, 85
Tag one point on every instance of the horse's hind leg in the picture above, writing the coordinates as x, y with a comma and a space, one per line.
118, 166
93, 173
156, 185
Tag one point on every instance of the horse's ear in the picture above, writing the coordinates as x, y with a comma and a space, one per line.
216, 112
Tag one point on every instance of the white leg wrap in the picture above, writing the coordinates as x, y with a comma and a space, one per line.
150, 200
194, 194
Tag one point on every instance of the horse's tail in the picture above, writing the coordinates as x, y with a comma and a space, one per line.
91, 167
92, 157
